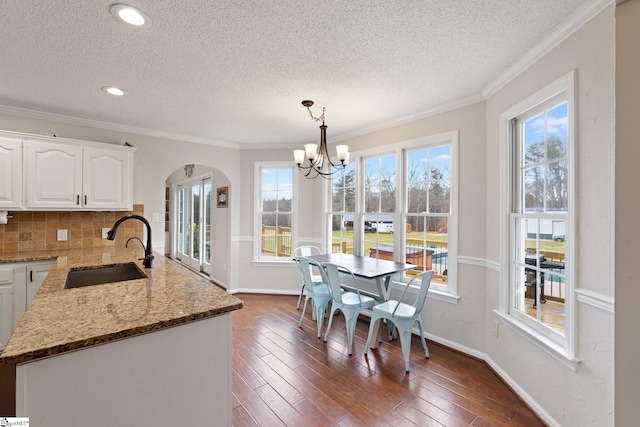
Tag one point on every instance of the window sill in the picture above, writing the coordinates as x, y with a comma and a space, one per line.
276, 262
558, 352
433, 293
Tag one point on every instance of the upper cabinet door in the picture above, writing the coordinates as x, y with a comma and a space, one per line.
107, 179
53, 175
10, 173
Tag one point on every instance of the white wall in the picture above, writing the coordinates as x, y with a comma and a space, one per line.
584, 397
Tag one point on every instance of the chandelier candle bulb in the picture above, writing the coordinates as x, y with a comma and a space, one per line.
343, 153
312, 151
298, 155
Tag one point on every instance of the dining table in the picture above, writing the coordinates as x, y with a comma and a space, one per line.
379, 270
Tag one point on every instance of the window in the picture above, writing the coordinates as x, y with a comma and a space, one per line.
275, 211
429, 210
400, 205
378, 220
343, 207
539, 148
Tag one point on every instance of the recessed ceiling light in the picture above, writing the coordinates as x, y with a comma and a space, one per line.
130, 15
112, 90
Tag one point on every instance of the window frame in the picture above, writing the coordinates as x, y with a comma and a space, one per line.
327, 226
563, 350
451, 288
448, 293
258, 257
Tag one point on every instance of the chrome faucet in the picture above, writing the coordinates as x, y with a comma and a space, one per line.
148, 254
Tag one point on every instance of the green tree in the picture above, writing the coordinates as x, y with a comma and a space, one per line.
545, 176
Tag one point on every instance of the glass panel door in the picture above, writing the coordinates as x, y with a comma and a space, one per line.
196, 219
184, 222
206, 238
193, 225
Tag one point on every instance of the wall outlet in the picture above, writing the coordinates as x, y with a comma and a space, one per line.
62, 235
496, 328
105, 232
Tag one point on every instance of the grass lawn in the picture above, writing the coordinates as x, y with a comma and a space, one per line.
387, 239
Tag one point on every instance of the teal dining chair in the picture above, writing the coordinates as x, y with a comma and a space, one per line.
350, 301
316, 292
403, 316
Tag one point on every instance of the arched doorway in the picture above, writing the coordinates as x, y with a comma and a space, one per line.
196, 228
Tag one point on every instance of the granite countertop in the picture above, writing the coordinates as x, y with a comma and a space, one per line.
60, 320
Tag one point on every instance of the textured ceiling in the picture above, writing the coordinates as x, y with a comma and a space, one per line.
236, 71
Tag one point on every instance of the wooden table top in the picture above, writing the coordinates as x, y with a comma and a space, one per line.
364, 266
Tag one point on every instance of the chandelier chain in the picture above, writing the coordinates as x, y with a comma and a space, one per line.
319, 118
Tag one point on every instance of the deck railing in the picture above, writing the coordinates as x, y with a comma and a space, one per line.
439, 256
554, 280
276, 241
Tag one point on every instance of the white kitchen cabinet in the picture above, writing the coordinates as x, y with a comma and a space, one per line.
77, 177
10, 173
106, 179
19, 283
53, 175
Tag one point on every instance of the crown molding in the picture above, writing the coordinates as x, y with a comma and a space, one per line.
60, 118
553, 39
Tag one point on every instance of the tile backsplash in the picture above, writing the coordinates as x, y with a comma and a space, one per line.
37, 231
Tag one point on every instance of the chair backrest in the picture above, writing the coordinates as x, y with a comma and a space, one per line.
332, 274
425, 281
306, 250
306, 266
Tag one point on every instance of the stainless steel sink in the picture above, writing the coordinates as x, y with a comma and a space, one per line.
87, 276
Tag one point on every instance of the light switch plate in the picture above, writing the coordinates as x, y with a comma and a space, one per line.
62, 235
105, 232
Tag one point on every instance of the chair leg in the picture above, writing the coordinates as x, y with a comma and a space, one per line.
333, 310
300, 297
372, 328
304, 310
320, 316
405, 342
391, 327
422, 339
350, 323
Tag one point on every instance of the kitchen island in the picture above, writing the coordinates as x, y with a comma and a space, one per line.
152, 351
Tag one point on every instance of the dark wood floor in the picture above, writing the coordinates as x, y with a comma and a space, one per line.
284, 375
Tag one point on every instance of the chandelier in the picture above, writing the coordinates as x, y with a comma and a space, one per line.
319, 162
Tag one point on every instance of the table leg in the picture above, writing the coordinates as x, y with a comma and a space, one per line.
383, 284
